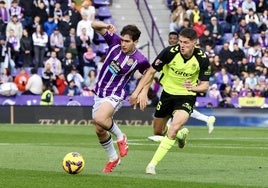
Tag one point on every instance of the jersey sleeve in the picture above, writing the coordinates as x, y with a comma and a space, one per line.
205, 68
164, 57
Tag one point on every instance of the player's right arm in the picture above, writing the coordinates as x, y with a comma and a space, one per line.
102, 27
137, 97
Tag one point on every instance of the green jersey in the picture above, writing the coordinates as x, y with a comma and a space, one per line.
175, 69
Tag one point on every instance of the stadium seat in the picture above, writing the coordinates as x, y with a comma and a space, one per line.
109, 20
100, 3
103, 13
102, 49
227, 37
218, 48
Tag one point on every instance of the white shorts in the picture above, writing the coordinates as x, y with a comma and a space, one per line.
116, 102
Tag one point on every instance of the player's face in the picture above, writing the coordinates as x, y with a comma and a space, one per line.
128, 46
186, 46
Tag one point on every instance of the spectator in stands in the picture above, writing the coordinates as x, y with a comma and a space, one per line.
57, 12
231, 67
74, 14
2, 26
226, 103
251, 81
215, 65
210, 52
85, 24
237, 54
237, 84
64, 4
214, 92
258, 66
5, 76
209, 14
90, 82
77, 78
242, 28
50, 25
65, 25
206, 39
68, 63
84, 41
17, 10
173, 38
4, 13
252, 21
26, 48
174, 4
177, 18
216, 30
248, 4
40, 11
21, 80
32, 28
3, 53
49, 78
227, 92
263, 40
223, 78
232, 19
261, 6
224, 53
204, 5
88, 9
57, 43
265, 58
220, 7
235, 40
61, 84
88, 61
195, 15
71, 42
28, 7
72, 89
199, 27
34, 84
14, 25
248, 42
253, 53
264, 20
13, 46
186, 24
244, 68
40, 41
55, 63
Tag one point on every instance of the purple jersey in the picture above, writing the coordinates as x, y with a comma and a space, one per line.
118, 68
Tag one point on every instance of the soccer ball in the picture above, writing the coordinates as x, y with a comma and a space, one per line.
73, 163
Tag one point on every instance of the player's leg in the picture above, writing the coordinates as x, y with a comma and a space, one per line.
180, 117
210, 120
103, 111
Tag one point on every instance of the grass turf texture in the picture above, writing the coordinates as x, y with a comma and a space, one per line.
31, 156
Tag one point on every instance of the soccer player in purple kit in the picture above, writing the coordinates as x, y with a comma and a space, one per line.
121, 62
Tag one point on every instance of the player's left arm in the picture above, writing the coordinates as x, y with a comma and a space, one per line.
204, 74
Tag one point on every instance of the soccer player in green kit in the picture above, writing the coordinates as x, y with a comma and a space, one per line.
185, 71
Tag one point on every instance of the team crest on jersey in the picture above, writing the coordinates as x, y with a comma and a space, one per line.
158, 62
130, 62
194, 66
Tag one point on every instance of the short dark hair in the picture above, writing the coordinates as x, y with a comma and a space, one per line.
131, 30
173, 33
189, 33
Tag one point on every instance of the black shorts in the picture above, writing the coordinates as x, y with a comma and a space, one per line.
170, 103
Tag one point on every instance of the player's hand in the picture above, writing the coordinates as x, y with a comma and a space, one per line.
111, 28
133, 101
189, 86
143, 100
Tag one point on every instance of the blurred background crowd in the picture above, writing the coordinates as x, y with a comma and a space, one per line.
51, 43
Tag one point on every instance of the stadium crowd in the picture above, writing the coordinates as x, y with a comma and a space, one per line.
53, 40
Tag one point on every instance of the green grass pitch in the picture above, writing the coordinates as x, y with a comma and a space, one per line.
31, 156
